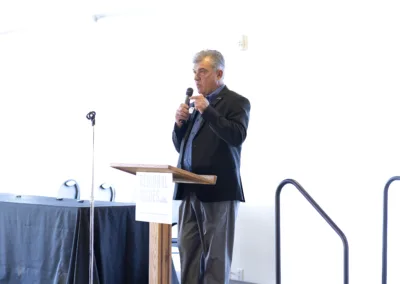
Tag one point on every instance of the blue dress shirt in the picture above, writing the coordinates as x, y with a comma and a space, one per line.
187, 155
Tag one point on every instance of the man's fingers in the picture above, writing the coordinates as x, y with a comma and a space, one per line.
197, 97
183, 112
182, 115
184, 106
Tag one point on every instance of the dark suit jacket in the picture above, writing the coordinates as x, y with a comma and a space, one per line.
216, 147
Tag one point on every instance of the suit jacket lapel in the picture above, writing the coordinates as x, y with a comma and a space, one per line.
214, 103
184, 140
190, 123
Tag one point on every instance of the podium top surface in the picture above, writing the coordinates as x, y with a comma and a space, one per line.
179, 175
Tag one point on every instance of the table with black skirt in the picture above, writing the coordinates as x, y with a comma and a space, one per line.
45, 240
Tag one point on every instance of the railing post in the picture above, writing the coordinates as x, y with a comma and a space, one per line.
385, 227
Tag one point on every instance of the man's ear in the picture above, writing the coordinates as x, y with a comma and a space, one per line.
220, 73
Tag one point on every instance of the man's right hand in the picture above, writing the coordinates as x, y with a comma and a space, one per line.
182, 114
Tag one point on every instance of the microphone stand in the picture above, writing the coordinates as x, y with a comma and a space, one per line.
92, 116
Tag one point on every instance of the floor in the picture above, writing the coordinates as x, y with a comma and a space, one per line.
177, 264
175, 259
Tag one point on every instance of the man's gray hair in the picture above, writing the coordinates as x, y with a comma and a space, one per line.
218, 61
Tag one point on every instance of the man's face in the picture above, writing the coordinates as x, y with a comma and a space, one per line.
206, 78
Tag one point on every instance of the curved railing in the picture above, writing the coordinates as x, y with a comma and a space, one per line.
321, 212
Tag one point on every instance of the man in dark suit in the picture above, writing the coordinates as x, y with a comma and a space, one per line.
209, 141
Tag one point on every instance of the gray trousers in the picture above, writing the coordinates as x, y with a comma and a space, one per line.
205, 240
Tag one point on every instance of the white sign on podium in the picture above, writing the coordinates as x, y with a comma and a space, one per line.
154, 192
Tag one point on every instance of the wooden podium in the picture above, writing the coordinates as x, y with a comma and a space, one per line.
160, 234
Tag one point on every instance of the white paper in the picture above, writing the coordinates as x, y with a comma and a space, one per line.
154, 192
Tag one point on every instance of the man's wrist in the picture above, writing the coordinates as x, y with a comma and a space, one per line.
178, 125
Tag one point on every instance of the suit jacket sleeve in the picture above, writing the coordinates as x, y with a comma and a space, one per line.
177, 136
232, 127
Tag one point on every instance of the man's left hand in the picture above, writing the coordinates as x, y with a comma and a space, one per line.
200, 103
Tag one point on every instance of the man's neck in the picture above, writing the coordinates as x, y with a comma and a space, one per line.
218, 86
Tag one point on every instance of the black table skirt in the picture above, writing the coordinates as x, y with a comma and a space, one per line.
44, 240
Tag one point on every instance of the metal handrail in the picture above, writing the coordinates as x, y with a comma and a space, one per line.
385, 227
321, 212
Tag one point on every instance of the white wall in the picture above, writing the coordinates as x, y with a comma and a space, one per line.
322, 79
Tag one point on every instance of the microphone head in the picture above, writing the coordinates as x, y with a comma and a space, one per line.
189, 92
92, 116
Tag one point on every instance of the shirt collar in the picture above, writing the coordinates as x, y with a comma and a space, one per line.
213, 94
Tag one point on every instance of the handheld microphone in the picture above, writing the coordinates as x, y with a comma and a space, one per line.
189, 93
